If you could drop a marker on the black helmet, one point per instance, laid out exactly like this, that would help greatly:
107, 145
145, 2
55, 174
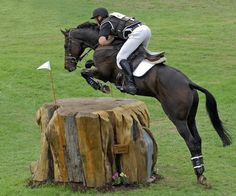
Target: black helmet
100, 12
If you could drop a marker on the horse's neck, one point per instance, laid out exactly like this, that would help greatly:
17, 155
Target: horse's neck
89, 36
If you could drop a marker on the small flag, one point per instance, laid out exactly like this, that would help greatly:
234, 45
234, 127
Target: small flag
45, 66
48, 67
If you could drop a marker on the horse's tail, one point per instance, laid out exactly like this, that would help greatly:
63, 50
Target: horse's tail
211, 107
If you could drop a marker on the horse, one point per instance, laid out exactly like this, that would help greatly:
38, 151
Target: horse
177, 94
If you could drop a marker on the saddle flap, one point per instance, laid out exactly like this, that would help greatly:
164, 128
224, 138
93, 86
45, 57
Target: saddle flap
145, 66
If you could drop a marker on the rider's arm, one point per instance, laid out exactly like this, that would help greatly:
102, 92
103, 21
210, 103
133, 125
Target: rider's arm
105, 41
105, 37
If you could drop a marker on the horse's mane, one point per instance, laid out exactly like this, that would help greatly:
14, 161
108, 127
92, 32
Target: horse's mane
88, 25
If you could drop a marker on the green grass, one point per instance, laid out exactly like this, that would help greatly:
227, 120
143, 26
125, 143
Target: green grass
199, 39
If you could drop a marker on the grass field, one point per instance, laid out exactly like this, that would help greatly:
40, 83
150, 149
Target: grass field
199, 39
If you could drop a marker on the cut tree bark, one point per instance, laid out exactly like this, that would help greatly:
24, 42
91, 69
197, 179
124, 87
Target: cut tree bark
88, 140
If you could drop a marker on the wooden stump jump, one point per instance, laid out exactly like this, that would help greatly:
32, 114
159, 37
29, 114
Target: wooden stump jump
88, 140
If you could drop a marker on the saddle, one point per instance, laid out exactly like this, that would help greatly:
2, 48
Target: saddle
141, 53
137, 56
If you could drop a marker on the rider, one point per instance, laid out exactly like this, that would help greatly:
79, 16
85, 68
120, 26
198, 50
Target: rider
127, 28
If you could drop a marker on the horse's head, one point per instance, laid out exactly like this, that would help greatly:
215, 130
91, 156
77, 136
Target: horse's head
76, 41
73, 49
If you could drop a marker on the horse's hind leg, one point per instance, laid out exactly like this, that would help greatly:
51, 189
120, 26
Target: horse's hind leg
197, 159
183, 117
194, 147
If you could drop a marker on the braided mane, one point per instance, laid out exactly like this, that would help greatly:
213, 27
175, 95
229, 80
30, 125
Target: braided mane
88, 25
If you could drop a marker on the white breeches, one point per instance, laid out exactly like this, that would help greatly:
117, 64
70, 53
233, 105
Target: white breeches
140, 35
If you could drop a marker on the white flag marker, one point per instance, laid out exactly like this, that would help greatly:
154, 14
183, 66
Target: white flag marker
48, 67
45, 66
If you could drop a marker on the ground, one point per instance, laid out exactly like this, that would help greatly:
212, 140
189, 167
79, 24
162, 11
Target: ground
198, 38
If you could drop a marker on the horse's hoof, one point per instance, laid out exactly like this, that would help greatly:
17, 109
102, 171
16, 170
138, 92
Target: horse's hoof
202, 180
105, 89
120, 88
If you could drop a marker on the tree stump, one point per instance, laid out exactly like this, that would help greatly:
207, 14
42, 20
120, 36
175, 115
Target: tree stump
88, 140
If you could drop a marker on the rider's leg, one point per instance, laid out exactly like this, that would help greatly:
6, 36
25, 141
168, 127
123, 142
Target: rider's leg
130, 87
147, 37
136, 38
146, 42
139, 36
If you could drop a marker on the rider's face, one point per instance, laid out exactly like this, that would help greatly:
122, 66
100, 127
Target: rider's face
98, 20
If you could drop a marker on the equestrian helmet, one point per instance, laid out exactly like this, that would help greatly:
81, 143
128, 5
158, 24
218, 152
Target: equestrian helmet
100, 12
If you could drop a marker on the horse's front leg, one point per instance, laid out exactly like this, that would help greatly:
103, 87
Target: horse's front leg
89, 75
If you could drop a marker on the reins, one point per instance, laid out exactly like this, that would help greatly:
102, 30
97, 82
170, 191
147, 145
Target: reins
80, 58
84, 55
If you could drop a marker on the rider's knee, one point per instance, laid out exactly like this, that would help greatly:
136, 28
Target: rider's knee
119, 58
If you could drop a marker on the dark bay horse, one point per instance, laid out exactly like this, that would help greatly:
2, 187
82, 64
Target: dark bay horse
176, 92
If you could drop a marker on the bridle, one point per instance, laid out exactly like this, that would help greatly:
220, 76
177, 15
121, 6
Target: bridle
70, 57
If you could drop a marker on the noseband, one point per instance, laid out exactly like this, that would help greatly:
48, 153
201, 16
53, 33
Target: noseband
72, 58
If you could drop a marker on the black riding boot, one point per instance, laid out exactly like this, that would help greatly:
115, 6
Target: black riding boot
130, 87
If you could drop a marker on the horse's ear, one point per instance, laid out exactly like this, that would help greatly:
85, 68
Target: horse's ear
63, 32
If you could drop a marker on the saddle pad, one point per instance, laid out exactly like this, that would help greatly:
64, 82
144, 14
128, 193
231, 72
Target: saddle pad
145, 66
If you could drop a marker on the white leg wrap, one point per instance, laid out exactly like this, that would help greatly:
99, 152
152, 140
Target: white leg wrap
198, 166
197, 157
